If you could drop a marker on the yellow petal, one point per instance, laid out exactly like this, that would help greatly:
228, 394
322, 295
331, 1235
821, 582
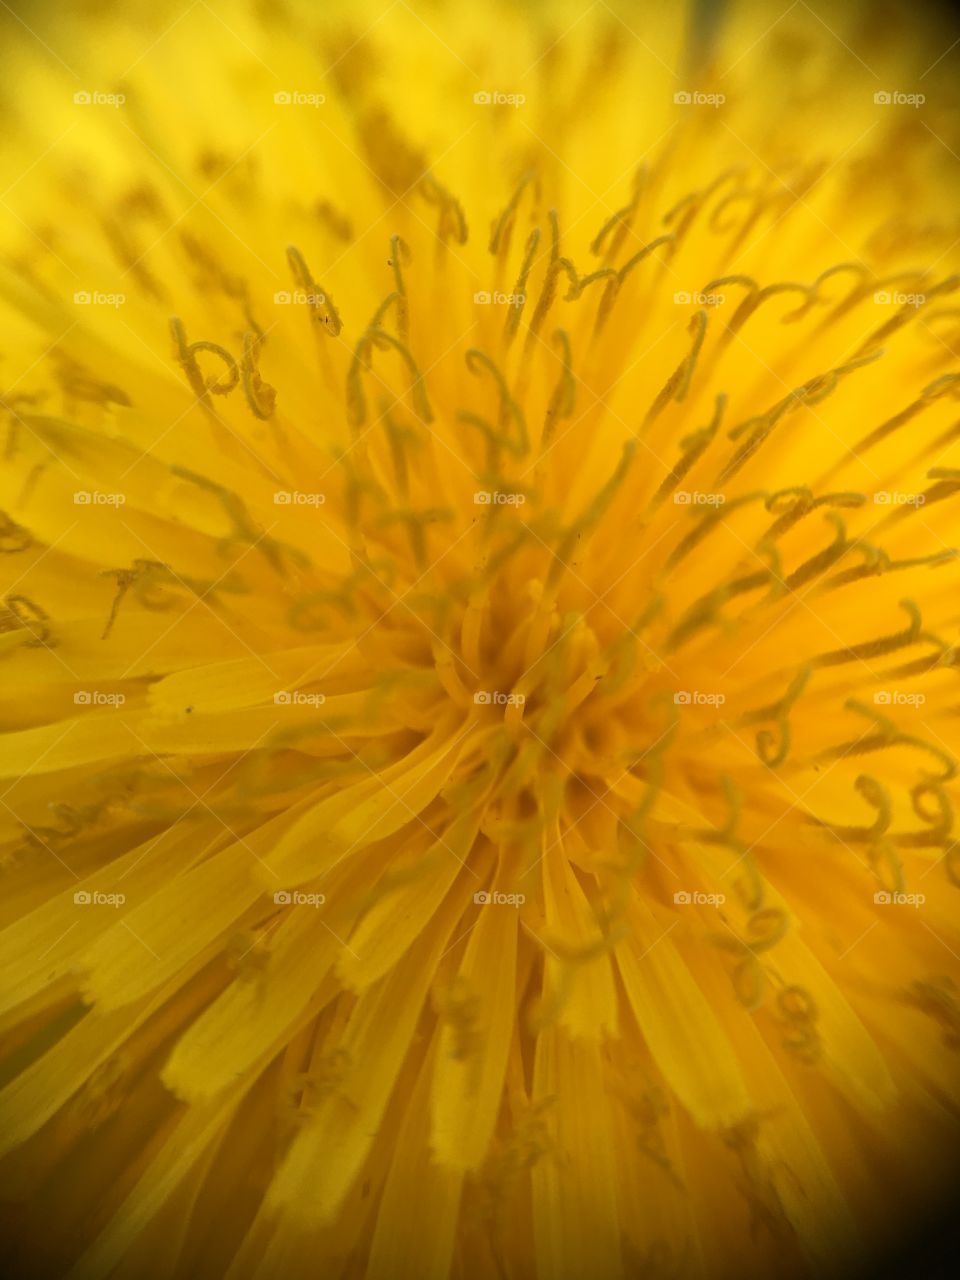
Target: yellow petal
575, 1214
681, 1030
471, 1064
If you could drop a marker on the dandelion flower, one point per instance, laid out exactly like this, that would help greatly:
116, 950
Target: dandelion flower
479, 640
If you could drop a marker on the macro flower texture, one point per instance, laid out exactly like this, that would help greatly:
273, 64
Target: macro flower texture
479, 623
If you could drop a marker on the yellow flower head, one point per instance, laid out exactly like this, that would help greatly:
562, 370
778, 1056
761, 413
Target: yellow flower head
478, 638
